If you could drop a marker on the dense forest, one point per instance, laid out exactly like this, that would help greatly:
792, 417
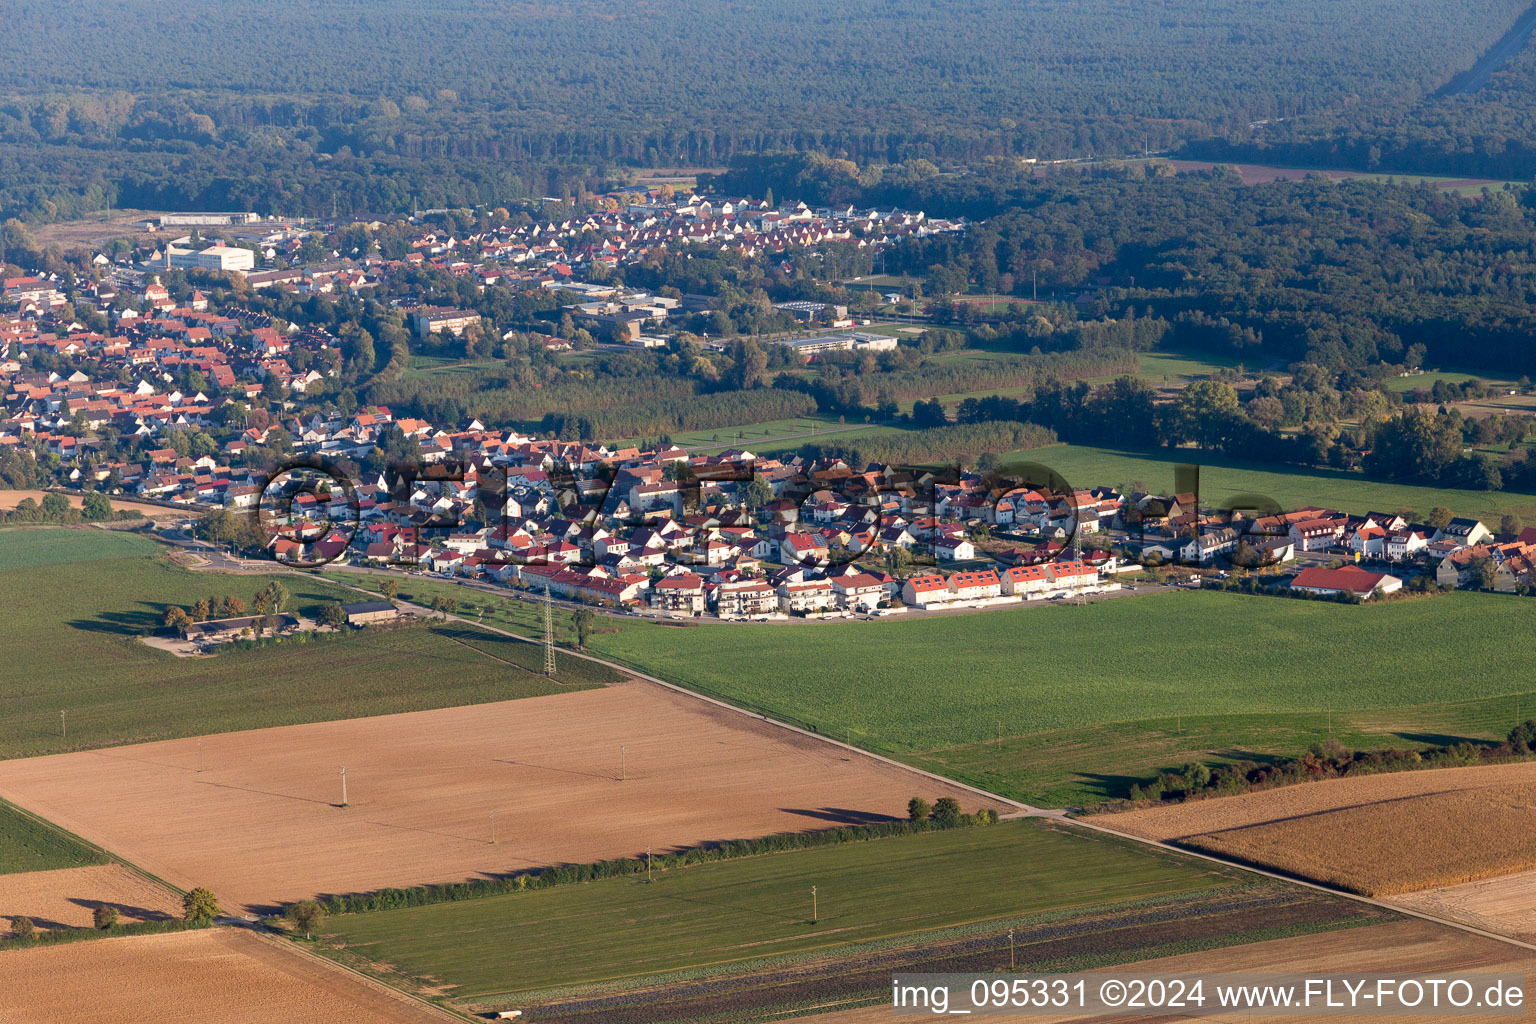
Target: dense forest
1340, 273
1481, 124
304, 106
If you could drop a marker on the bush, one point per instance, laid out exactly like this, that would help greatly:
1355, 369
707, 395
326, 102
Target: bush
946, 812
306, 915
1327, 759
104, 916
23, 930
918, 809
200, 906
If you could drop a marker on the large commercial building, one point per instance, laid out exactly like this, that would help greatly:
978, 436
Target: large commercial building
433, 320
207, 220
215, 257
858, 341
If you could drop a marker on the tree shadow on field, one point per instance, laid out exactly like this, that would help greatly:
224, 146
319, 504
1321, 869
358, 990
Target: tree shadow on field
126, 623
1439, 739
1257, 757
127, 910
1110, 786
38, 922
841, 815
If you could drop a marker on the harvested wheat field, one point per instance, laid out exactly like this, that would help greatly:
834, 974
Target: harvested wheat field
261, 823
1378, 834
1401, 947
1504, 905
67, 897
216, 976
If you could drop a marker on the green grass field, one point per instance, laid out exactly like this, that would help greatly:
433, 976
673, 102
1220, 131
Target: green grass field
1088, 699
73, 604
1063, 705
27, 844
1427, 380
1291, 486
759, 907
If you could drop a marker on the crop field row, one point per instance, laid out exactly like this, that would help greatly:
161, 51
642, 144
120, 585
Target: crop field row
758, 907
743, 935
1378, 835
28, 844
1396, 947
1394, 846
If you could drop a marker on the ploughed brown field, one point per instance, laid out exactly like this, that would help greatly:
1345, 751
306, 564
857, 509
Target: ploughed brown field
69, 896
261, 822
216, 976
1401, 947
1379, 835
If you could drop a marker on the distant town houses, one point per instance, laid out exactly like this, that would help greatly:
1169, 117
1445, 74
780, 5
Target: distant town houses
659, 528
668, 532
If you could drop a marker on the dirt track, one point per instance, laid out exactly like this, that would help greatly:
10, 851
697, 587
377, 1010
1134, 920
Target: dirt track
261, 823
69, 896
219, 976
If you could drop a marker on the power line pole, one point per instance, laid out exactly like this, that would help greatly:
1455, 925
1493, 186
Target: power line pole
623, 764
344, 787
648, 878
64, 725
549, 634
493, 828
1011, 963
815, 916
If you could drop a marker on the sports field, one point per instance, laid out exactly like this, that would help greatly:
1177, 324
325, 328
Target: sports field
73, 604
758, 907
257, 816
213, 976
1105, 688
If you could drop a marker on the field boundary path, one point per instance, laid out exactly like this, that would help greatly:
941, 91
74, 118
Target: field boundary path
353, 974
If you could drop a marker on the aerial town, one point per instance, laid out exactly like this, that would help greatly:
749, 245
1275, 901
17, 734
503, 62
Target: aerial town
718, 513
